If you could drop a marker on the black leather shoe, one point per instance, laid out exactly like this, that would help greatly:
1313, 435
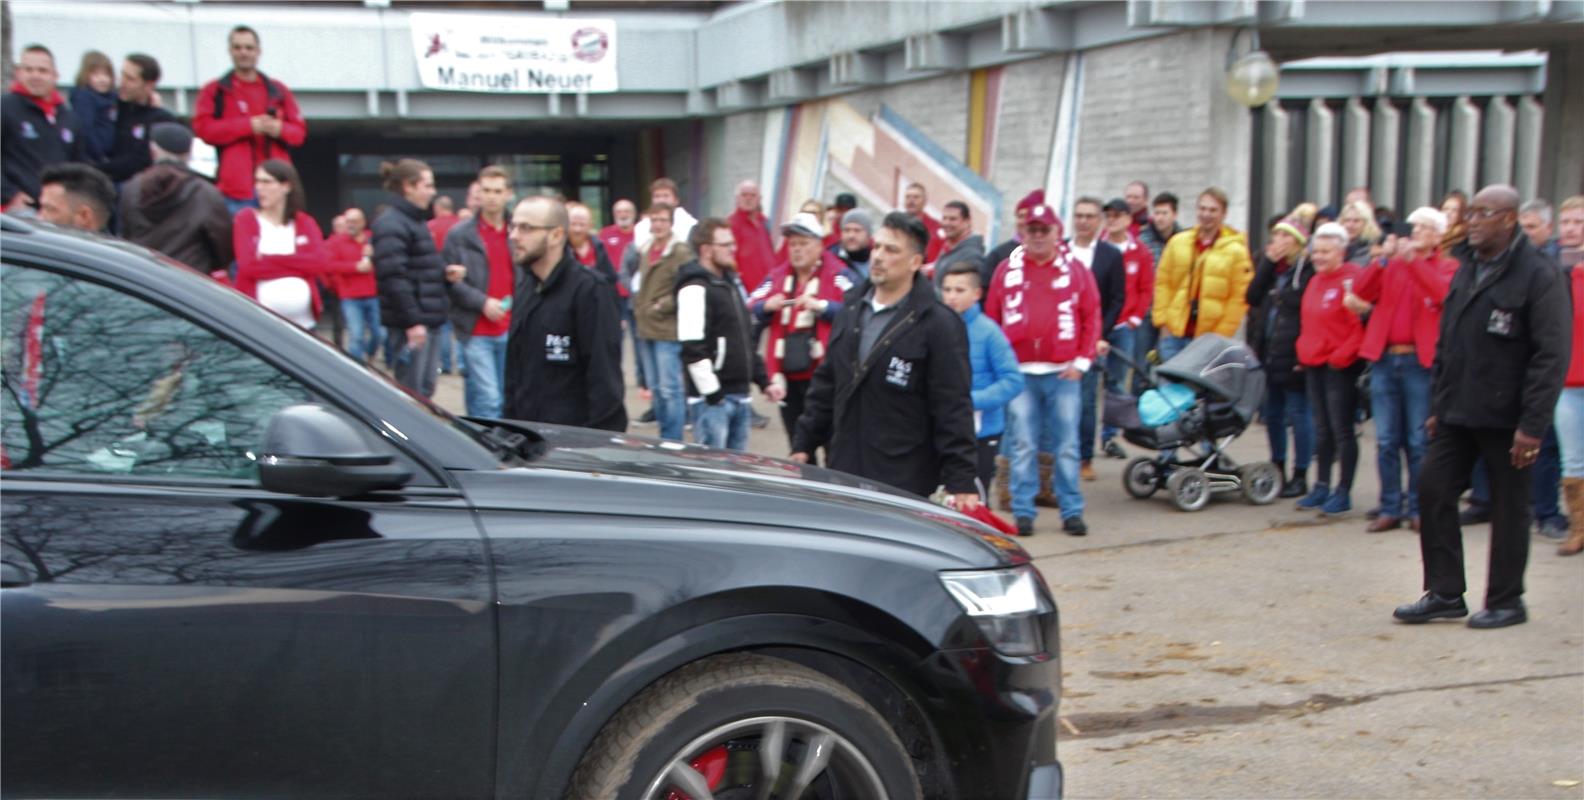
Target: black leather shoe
1074, 526
1025, 526
1297, 487
1499, 617
1432, 606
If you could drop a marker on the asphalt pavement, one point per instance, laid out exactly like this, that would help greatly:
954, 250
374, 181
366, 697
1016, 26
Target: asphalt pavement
1249, 652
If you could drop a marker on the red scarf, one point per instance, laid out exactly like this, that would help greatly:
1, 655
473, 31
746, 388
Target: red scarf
45, 104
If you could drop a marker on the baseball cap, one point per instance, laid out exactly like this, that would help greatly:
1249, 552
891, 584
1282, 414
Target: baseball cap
1043, 214
804, 224
1117, 204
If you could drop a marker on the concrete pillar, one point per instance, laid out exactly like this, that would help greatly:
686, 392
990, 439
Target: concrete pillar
1463, 148
1320, 154
1528, 150
1355, 145
1228, 164
1561, 167
1385, 133
1276, 155
1419, 174
1500, 121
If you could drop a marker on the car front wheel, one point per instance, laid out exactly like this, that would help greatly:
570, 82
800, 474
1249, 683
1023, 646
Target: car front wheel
745, 726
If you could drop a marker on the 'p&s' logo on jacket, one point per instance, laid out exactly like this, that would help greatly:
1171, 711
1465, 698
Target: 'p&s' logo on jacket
558, 347
899, 372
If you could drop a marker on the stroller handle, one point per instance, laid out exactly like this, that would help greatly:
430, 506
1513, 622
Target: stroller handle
1146, 371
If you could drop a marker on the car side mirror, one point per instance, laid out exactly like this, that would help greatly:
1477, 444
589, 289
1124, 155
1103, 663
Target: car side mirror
313, 451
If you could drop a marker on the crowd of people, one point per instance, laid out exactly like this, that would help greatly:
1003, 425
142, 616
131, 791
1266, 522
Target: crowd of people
897, 346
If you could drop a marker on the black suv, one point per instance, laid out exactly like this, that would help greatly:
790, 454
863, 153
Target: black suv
238, 563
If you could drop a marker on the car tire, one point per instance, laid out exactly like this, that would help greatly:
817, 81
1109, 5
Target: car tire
669, 725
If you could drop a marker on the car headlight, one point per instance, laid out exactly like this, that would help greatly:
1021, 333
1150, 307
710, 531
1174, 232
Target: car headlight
1005, 603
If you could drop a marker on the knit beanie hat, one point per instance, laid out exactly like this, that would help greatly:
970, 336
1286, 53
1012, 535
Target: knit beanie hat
1297, 223
859, 216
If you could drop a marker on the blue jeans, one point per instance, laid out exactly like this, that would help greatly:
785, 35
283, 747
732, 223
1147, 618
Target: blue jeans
485, 357
724, 425
1048, 407
1169, 345
1288, 408
363, 326
1570, 431
630, 323
662, 362
1124, 340
448, 348
1400, 401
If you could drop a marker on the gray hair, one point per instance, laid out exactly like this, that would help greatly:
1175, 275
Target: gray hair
1429, 216
1332, 230
1539, 208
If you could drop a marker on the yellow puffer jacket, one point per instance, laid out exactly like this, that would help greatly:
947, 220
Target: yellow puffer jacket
1219, 278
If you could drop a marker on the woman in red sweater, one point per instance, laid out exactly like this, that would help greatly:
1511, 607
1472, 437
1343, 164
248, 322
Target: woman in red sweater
1328, 353
280, 250
1570, 406
1402, 292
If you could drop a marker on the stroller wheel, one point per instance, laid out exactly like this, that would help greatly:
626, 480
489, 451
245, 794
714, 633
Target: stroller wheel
1262, 482
1141, 478
1189, 488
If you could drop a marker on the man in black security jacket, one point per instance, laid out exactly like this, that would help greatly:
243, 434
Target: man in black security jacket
563, 355
892, 399
1506, 336
716, 329
38, 128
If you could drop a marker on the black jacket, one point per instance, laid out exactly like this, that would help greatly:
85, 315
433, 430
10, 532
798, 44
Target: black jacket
408, 269
180, 213
904, 416
602, 263
993, 259
1111, 279
1275, 303
463, 246
29, 142
716, 331
563, 355
129, 155
1504, 347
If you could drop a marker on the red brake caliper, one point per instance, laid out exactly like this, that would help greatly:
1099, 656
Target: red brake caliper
712, 765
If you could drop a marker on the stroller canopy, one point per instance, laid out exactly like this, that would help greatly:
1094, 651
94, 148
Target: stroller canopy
1225, 368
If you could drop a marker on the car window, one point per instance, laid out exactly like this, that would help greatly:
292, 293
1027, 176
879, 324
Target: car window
97, 382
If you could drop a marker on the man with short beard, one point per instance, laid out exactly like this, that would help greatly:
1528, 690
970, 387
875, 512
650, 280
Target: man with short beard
1501, 359
959, 244
893, 400
857, 241
563, 355
136, 116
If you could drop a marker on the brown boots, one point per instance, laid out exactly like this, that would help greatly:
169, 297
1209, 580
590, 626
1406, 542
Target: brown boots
1573, 490
1003, 482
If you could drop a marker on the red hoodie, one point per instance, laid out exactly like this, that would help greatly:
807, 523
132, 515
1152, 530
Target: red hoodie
1330, 334
310, 262
353, 285
1423, 284
1049, 311
1139, 267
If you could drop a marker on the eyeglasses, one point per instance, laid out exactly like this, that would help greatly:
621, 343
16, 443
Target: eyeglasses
724, 245
1480, 212
526, 227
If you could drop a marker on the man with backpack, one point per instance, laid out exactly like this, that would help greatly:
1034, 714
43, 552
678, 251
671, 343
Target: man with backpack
249, 117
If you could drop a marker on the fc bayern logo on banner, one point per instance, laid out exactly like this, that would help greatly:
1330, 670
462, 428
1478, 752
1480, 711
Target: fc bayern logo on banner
590, 44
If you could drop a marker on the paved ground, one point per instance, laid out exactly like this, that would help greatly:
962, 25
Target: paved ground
1249, 652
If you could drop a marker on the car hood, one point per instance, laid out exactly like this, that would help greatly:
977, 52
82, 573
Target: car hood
619, 474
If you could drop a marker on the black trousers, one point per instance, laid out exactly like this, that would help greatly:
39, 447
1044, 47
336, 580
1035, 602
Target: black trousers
791, 409
1448, 462
989, 448
1333, 400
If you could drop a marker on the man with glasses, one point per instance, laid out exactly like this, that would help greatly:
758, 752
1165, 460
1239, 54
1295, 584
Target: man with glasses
563, 354
1506, 330
717, 338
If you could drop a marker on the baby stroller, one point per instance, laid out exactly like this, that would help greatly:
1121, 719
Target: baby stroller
1203, 398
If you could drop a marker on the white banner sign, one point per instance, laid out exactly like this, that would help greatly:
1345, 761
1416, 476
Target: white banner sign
520, 54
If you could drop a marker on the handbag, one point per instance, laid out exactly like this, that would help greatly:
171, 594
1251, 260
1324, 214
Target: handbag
797, 352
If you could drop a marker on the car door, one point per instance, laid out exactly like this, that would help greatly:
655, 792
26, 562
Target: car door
170, 628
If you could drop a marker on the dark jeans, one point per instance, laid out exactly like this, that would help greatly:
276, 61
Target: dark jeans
414, 369
1333, 396
1448, 463
989, 448
1287, 407
792, 409
1547, 480
1086, 417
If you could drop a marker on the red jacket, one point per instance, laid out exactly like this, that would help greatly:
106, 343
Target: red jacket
755, 255
221, 118
1139, 267
353, 285
440, 226
1423, 283
1329, 334
783, 280
310, 262
1575, 374
1049, 311
937, 238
